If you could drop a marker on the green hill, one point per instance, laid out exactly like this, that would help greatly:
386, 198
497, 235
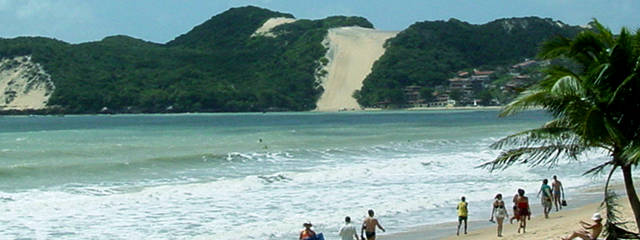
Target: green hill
217, 66
428, 53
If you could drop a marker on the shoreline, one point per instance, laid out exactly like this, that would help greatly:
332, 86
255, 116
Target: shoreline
60, 112
559, 224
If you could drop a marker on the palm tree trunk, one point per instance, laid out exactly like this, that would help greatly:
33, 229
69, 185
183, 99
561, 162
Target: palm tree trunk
631, 192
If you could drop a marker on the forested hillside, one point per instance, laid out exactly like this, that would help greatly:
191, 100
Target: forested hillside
428, 53
217, 66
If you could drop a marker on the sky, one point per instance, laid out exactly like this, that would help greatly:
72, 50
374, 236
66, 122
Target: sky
160, 21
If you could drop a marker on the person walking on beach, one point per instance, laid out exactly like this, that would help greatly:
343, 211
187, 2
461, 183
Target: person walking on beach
558, 191
547, 197
516, 215
307, 233
523, 210
348, 231
463, 213
369, 226
596, 229
499, 211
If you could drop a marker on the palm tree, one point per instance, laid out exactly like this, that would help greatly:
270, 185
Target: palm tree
593, 105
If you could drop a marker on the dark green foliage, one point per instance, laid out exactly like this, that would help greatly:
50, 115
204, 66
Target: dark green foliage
592, 108
428, 53
217, 66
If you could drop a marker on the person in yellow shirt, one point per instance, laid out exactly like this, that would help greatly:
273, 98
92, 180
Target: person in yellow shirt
463, 213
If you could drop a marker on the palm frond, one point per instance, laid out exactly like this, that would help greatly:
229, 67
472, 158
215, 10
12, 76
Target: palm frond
554, 48
567, 85
528, 99
536, 137
624, 86
535, 156
598, 169
604, 33
614, 227
631, 152
553, 73
586, 48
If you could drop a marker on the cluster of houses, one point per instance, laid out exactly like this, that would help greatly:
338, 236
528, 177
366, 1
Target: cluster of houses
463, 88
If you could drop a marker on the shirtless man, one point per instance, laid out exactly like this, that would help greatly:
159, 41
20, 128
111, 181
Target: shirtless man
595, 228
369, 226
558, 190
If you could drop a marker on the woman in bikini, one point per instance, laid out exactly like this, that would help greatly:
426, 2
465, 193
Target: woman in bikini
499, 211
523, 210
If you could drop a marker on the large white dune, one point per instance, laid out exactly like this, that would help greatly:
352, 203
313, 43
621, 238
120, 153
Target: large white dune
352, 52
23, 84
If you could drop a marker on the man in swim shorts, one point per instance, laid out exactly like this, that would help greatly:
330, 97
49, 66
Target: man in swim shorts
558, 191
369, 226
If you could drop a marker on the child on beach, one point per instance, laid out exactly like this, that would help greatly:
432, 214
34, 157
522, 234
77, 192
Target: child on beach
463, 213
500, 212
596, 229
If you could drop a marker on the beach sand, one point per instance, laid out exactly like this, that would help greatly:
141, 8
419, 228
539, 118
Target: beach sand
560, 224
352, 52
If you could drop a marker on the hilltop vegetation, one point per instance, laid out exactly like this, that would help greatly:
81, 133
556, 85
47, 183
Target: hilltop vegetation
217, 66
428, 53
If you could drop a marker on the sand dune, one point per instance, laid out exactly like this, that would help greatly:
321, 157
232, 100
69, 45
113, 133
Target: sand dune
265, 29
352, 52
23, 84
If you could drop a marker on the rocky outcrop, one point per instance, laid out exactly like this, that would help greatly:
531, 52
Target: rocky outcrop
24, 84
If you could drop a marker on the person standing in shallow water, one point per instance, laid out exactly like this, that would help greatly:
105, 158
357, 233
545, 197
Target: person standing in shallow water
369, 226
463, 214
500, 212
558, 191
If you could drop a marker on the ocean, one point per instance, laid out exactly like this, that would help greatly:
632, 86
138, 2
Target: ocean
254, 175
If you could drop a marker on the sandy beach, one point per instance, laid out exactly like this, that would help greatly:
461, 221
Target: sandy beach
559, 224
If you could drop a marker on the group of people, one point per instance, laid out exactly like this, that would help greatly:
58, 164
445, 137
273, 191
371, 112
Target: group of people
551, 195
348, 231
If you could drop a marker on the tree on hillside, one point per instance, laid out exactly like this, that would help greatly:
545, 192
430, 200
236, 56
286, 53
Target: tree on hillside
593, 108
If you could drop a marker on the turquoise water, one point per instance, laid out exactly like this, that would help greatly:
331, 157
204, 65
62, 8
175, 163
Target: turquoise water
227, 176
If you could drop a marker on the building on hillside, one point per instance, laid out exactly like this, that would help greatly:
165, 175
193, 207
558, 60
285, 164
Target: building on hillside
441, 99
463, 85
462, 74
412, 95
517, 83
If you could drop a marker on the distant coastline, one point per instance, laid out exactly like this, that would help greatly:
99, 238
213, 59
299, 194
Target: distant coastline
58, 111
